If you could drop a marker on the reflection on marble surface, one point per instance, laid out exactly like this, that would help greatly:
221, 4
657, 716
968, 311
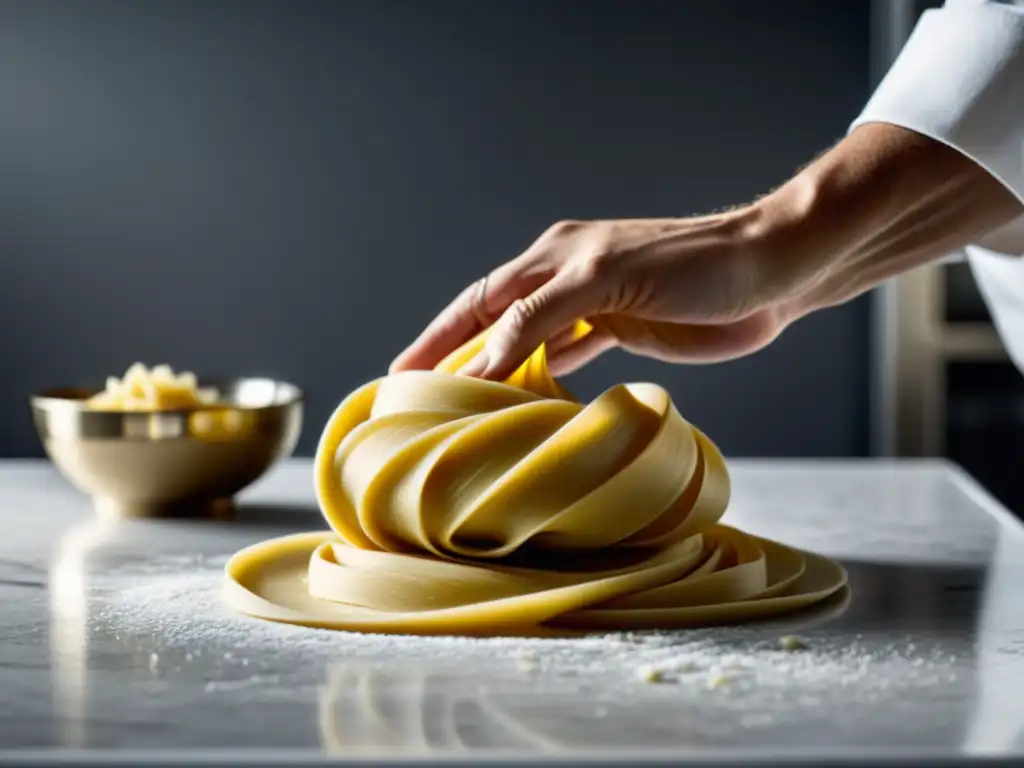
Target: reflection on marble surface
129, 645
997, 723
427, 711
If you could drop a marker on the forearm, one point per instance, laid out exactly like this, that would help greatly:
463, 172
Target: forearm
882, 201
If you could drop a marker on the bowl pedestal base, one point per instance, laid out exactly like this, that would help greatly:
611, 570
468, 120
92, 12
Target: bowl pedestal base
117, 509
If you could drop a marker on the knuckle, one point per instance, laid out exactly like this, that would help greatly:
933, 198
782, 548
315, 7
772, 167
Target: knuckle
509, 328
513, 323
519, 314
564, 228
599, 264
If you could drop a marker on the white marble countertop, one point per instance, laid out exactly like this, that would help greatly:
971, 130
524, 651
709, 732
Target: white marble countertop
115, 643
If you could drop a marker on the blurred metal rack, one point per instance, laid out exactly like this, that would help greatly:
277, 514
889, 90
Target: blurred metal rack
916, 344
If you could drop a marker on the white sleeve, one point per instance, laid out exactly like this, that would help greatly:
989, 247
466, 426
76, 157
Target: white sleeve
960, 80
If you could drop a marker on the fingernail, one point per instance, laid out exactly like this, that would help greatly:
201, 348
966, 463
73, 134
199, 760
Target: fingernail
477, 365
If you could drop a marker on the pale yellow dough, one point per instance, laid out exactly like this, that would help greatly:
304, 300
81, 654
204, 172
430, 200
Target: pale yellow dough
461, 506
159, 389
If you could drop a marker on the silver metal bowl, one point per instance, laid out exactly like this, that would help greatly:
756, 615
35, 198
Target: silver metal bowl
156, 463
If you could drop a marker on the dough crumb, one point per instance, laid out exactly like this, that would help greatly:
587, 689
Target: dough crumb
792, 643
718, 680
527, 660
650, 674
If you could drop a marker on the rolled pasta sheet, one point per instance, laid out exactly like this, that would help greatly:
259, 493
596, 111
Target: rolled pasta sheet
462, 506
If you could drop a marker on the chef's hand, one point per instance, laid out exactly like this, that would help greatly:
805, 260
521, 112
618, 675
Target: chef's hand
883, 201
694, 272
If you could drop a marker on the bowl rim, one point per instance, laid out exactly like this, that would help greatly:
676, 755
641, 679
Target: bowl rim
48, 399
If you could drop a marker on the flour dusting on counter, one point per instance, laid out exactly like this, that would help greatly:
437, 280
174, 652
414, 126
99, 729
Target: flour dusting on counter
115, 636
749, 671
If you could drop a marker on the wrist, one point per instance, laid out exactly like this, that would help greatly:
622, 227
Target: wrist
883, 201
778, 234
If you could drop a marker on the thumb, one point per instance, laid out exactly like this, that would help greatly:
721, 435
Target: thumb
531, 321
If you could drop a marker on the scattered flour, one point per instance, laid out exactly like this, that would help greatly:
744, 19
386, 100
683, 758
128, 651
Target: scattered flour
758, 673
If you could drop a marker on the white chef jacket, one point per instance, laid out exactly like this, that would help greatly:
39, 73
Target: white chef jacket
960, 80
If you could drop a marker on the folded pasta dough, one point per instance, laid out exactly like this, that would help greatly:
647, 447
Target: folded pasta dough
463, 506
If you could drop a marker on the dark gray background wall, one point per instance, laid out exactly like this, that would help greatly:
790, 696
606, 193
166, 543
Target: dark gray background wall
294, 188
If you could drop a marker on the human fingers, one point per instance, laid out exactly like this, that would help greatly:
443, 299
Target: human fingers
529, 322
471, 311
566, 358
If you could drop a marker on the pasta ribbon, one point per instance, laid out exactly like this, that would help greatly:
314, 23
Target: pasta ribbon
463, 506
